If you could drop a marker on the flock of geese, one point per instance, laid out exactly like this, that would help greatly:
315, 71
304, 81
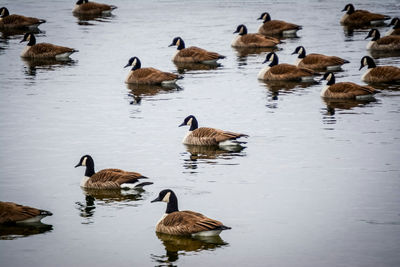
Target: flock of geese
269, 35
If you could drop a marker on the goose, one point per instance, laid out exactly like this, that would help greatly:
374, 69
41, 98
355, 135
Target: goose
283, 72
189, 223
317, 61
252, 40
204, 136
380, 74
137, 75
386, 43
11, 213
358, 18
107, 178
44, 50
345, 90
14, 21
396, 27
84, 7
277, 27
193, 54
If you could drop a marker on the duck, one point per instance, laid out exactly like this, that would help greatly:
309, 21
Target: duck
186, 222
139, 75
345, 90
284, 72
193, 54
252, 40
107, 178
317, 61
386, 43
44, 50
359, 18
205, 136
380, 74
277, 27
396, 27
84, 7
15, 21
13, 213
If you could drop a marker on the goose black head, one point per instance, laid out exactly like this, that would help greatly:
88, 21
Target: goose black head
190, 121
265, 17
80, 2
273, 58
178, 41
134, 62
395, 22
374, 33
30, 38
87, 161
241, 29
4, 12
367, 61
168, 196
349, 8
329, 77
301, 51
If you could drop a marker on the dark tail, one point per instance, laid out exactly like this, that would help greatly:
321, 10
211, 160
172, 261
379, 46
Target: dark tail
42, 21
143, 184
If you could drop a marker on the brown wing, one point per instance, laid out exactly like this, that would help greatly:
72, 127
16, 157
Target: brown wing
112, 179
258, 40
186, 223
389, 40
274, 27
45, 50
383, 74
396, 32
196, 54
319, 61
150, 76
282, 72
211, 136
93, 8
12, 212
348, 90
363, 17
20, 21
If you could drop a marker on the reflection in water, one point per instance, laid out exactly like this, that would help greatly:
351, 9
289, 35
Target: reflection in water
383, 54
245, 51
14, 231
184, 67
176, 246
142, 90
45, 64
84, 19
7, 33
209, 155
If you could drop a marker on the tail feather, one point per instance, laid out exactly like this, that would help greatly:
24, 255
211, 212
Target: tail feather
143, 184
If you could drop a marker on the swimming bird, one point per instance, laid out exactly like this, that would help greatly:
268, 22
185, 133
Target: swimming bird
317, 61
345, 90
283, 72
252, 40
11, 213
137, 75
359, 18
380, 74
107, 178
396, 27
84, 7
44, 50
193, 54
386, 43
209, 136
175, 222
14, 21
277, 27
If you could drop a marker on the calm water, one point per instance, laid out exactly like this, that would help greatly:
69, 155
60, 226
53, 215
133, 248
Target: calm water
317, 185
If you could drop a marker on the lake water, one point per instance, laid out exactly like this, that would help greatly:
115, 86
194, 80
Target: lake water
317, 184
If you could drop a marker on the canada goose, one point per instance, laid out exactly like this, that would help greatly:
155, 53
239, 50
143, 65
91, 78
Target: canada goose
107, 178
193, 54
204, 136
11, 213
252, 40
380, 74
137, 75
277, 27
283, 72
14, 21
345, 90
317, 61
396, 27
358, 18
175, 222
44, 50
84, 7
386, 43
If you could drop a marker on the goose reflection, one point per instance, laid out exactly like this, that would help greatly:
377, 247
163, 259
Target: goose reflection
14, 231
185, 67
246, 51
45, 64
383, 54
139, 91
176, 246
7, 33
86, 19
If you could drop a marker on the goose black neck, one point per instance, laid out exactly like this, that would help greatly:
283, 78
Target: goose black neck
377, 35
244, 31
371, 64
351, 10
331, 81
89, 167
396, 25
181, 45
303, 53
172, 205
275, 61
194, 125
5, 12
32, 40
137, 66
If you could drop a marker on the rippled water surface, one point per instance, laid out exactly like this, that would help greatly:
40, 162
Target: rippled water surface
317, 185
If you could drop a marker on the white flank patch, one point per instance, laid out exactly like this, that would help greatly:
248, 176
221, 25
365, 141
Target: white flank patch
289, 32
207, 233
63, 55
25, 50
213, 61
361, 97
307, 79
127, 186
365, 74
376, 22
170, 82
84, 180
324, 90
33, 220
262, 72
337, 67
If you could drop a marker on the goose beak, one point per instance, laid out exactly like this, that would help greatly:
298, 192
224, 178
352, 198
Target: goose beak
367, 37
344, 9
236, 31
259, 18
171, 45
127, 65
77, 165
182, 124
265, 61
155, 200
360, 67
321, 79
293, 53
23, 40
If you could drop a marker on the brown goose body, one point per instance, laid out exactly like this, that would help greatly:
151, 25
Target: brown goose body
204, 136
150, 76
362, 18
18, 21
92, 8
320, 62
11, 213
285, 72
386, 43
382, 74
195, 54
254, 40
393, 32
46, 50
277, 27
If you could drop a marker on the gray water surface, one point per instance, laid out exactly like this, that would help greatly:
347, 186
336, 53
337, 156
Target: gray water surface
317, 184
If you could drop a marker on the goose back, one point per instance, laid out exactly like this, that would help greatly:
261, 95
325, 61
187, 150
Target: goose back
13, 213
150, 76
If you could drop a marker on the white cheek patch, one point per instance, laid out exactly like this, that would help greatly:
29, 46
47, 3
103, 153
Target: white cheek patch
301, 50
166, 197
241, 30
329, 77
84, 161
272, 58
134, 62
178, 42
365, 62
